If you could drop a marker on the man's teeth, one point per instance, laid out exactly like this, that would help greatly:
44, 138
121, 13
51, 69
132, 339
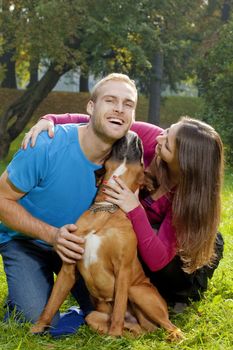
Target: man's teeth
116, 121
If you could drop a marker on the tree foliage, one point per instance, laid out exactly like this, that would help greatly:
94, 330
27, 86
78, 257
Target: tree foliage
152, 41
216, 81
214, 68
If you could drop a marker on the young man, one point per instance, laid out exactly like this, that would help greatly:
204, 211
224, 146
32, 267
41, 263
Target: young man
45, 189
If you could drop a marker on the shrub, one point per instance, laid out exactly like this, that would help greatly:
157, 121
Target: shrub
216, 82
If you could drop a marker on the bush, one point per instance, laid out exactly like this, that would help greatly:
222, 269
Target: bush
223, 123
173, 107
216, 83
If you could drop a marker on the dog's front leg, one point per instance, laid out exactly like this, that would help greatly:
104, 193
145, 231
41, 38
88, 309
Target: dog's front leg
65, 281
122, 283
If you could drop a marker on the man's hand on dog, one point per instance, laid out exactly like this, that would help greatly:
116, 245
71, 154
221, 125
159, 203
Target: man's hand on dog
118, 193
67, 245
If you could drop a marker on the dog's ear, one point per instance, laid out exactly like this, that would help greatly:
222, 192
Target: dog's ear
99, 175
140, 146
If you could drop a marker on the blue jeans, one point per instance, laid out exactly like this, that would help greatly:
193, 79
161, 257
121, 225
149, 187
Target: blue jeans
30, 266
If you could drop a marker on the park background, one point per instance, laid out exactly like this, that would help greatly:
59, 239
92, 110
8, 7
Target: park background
180, 53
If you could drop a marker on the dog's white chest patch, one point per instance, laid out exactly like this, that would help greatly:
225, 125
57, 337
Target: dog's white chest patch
119, 171
92, 245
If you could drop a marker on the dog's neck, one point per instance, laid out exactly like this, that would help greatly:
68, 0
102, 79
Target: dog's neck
100, 204
104, 206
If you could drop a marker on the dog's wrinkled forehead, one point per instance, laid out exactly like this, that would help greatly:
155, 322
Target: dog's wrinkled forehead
128, 148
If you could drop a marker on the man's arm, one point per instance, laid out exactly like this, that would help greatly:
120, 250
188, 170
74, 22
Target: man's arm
17, 218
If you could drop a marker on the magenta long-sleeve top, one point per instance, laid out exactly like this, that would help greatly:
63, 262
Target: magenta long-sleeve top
156, 247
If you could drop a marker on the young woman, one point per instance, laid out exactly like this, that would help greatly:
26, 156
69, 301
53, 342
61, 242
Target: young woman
177, 216
183, 198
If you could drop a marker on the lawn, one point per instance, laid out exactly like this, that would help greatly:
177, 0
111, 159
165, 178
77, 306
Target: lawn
206, 324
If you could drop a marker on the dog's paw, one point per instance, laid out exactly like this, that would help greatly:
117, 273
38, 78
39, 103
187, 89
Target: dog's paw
115, 331
98, 321
175, 335
134, 328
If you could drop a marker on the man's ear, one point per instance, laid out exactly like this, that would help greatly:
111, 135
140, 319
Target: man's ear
90, 107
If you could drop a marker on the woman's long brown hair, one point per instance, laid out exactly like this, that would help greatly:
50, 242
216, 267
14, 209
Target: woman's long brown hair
196, 202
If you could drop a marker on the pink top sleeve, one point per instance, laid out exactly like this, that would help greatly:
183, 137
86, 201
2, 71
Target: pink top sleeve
147, 132
156, 247
67, 118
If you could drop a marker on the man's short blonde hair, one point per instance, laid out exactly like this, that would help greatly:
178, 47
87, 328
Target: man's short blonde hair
114, 77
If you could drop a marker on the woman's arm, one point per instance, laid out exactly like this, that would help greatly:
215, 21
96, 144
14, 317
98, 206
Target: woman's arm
147, 132
47, 122
157, 249
67, 118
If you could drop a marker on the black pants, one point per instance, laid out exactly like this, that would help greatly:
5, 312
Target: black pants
177, 286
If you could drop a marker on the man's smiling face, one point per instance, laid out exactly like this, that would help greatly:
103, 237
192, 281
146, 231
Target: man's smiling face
114, 110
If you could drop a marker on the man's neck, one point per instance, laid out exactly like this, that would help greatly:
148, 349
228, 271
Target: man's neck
95, 149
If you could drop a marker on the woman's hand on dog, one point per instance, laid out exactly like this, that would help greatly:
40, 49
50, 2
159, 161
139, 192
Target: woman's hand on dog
118, 193
68, 245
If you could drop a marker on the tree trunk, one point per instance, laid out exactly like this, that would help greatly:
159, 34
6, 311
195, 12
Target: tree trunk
7, 60
155, 89
19, 112
33, 71
83, 83
226, 11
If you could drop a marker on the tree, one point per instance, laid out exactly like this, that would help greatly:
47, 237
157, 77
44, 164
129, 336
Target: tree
44, 34
215, 74
33, 73
157, 49
168, 53
155, 88
98, 39
165, 32
8, 63
62, 35
7, 58
17, 115
83, 83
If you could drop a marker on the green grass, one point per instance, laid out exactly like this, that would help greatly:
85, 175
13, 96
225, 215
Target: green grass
206, 324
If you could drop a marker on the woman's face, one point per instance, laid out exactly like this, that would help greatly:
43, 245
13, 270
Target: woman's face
166, 147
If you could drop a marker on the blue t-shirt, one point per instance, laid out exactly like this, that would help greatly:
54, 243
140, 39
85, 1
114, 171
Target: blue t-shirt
58, 179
